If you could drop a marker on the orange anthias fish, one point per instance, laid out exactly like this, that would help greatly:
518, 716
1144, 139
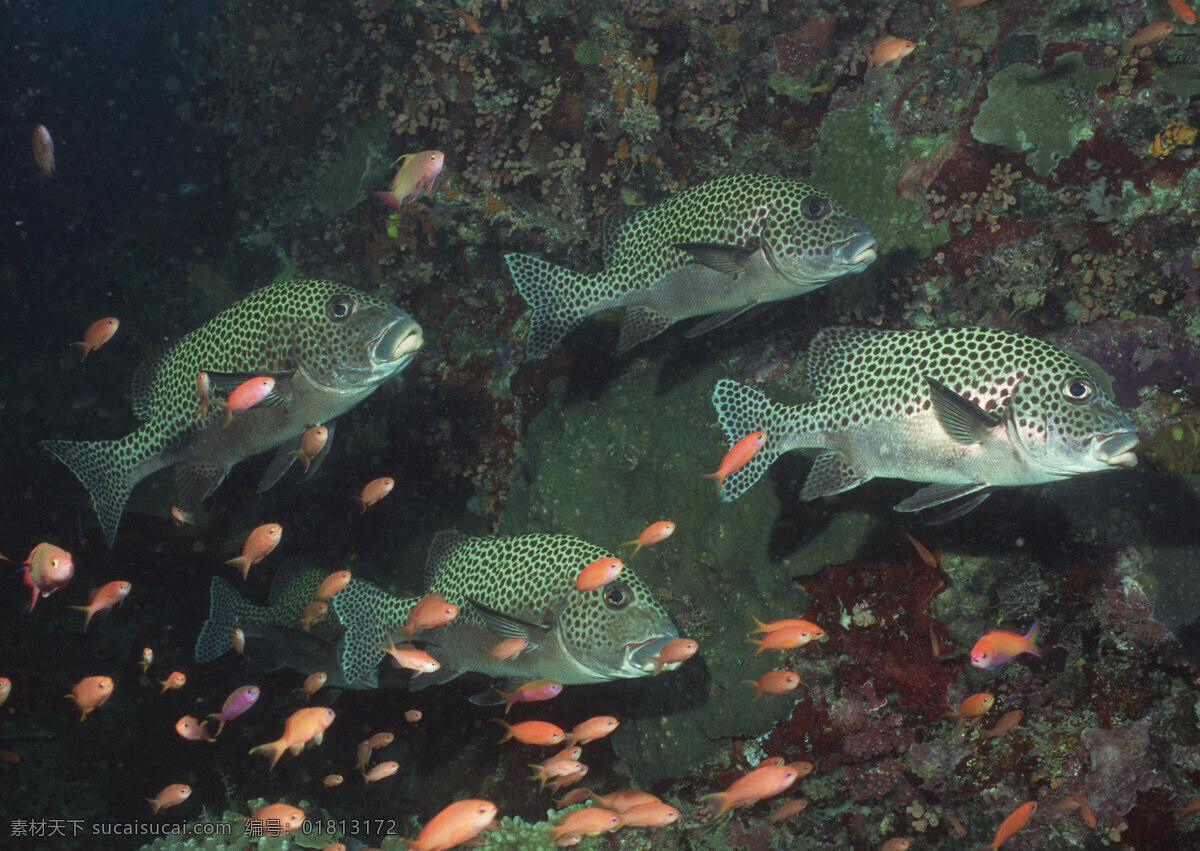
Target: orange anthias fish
592, 729
588, 821
788, 637
963, 4
1006, 723
410, 657
379, 772
251, 392
276, 820
43, 151
430, 612
147, 659
332, 583
458, 823
313, 683
999, 647
530, 692
302, 726
5, 689
1183, 11
90, 693
890, 49
174, 794
192, 728
311, 444
737, 457
204, 392
259, 543
46, 569
652, 814
598, 574
651, 535
313, 613
1147, 35
174, 681
787, 810
758, 784
775, 683
412, 716
673, 652
1016, 820
375, 490
182, 518
531, 732
416, 177
782, 623
332, 780
105, 597
971, 707
380, 740
509, 648
97, 334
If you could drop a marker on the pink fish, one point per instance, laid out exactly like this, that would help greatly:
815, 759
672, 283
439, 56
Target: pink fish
47, 568
246, 395
1000, 646
530, 692
237, 703
415, 178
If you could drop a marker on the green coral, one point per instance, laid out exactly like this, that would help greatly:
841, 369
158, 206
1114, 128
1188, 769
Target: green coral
1042, 111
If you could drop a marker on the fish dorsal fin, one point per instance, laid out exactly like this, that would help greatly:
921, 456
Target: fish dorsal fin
727, 259
961, 418
827, 352
442, 546
1103, 382
142, 386
612, 226
507, 626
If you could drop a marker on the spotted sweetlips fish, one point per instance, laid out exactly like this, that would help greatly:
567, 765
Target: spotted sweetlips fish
327, 346
720, 248
503, 587
967, 409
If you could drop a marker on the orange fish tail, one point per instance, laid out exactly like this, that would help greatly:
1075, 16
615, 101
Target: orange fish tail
759, 626
758, 692
507, 730
155, 806
1031, 638
272, 749
754, 641
87, 620
719, 798
242, 563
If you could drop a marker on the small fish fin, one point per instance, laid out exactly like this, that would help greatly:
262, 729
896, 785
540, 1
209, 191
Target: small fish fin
640, 324
928, 497
828, 351
612, 228
963, 420
441, 548
507, 626
741, 410
832, 472
558, 296
491, 697
439, 677
106, 469
224, 603
142, 386
729, 260
1031, 638
194, 482
717, 320
285, 456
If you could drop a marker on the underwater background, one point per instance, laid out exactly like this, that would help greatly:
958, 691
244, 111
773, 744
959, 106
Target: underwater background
1022, 168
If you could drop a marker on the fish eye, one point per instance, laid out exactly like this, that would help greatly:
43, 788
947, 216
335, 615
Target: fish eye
339, 307
814, 207
1078, 389
617, 595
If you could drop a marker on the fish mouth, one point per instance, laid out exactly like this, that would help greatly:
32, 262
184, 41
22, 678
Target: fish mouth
399, 342
640, 655
859, 251
1116, 449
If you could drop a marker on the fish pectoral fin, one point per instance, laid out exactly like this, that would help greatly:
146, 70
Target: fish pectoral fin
962, 419
640, 324
718, 319
282, 462
727, 259
934, 495
832, 472
507, 626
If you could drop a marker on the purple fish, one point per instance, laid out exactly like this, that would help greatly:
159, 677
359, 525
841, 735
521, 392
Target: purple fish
237, 703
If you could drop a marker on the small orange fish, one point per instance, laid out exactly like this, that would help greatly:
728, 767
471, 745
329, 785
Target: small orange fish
302, 726
275, 820
416, 177
1183, 11
510, 648
454, 825
787, 810
90, 693
652, 814
898, 843
105, 597
785, 623
531, 732
192, 728
674, 652
774, 683
380, 740
955, 5
410, 657
375, 490
364, 755
597, 574
469, 22
530, 692
204, 392
5, 689
97, 334
174, 794
251, 392
1006, 723
311, 444
331, 584
1187, 809
332, 780
412, 716
588, 821
175, 680
43, 151
313, 683
737, 457
1016, 820
971, 707
312, 614
379, 772
1085, 812
237, 640
788, 638
623, 800
10, 757
592, 729
430, 612
147, 659
890, 49
1147, 35
999, 647
259, 544
182, 518
758, 784
651, 535
46, 569
923, 551
555, 766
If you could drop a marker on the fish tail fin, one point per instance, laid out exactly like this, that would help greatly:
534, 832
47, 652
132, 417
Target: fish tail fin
740, 411
754, 641
225, 610
758, 692
88, 619
1031, 640
507, 729
559, 299
759, 626
720, 802
274, 750
242, 563
105, 471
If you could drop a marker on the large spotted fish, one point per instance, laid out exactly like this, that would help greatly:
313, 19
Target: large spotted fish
503, 588
967, 409
328, 347
720, 248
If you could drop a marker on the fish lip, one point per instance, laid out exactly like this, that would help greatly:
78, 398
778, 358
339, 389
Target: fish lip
638, 654
398, 341
1116, 448
858, 251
